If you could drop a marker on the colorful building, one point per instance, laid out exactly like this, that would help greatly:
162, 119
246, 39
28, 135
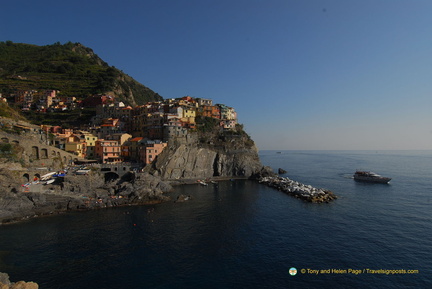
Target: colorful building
108, 151
133, 148
76, 145
150, 149
90, 141
209, 111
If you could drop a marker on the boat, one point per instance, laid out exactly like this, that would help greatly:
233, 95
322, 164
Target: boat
59, 175
82, 172
370, 177
202, 183
47, 176
49, 181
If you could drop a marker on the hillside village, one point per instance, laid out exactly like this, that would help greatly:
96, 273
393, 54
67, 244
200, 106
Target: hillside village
120, 133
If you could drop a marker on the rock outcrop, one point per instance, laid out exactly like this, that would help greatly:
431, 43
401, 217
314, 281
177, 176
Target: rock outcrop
200, 156
6, 284
281, 171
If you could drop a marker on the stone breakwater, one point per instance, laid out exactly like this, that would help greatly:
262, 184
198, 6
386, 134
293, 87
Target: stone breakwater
299, 190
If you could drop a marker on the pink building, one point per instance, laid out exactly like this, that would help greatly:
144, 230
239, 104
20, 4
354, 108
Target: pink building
108, 151
150, 150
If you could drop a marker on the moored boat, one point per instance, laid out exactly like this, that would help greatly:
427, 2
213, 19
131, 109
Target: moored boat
49, 182
82, 172
202, 183
47, 176
370, 177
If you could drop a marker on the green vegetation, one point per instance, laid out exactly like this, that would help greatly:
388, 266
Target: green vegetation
65, 119
9, 152
207, 124
210, 133
6, 111
72, 68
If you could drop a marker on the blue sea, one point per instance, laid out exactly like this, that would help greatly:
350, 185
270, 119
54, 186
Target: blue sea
240, 234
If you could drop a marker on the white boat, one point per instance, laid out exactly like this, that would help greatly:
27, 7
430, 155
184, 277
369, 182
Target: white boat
50, 181
202, 183
47, 176
370, 177
81, 172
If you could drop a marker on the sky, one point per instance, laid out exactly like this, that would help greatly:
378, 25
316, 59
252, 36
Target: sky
301, 74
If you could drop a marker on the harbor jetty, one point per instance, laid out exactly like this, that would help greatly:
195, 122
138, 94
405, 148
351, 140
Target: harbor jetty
299, 190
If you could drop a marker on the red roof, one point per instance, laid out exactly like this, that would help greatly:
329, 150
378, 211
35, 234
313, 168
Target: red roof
136, 139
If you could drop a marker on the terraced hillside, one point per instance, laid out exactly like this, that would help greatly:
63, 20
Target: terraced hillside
71, 68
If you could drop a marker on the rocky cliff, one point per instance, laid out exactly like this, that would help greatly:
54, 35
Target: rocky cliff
212, 154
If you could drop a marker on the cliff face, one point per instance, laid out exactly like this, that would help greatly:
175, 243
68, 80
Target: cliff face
198, 156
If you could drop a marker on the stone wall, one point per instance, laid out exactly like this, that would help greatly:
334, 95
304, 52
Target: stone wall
33, 147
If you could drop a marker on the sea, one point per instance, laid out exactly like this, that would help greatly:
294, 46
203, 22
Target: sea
242, 234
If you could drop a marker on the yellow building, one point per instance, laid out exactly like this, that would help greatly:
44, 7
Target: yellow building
189, 112
189, 115
90, 141
77, 148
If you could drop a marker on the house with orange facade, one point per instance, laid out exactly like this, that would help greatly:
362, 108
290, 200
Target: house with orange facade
108, 151
209, 111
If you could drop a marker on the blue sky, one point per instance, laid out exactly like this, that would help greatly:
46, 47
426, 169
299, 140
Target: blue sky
305, 74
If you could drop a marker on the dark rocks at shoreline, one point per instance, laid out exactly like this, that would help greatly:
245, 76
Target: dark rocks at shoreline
83, 192
183, 198
4, 278
76, 192
6, 284
281, 171
299, 190
265, 171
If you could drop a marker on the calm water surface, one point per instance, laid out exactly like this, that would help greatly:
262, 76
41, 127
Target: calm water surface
241, 234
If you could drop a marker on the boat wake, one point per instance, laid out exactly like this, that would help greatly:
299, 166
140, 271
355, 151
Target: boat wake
346, 176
